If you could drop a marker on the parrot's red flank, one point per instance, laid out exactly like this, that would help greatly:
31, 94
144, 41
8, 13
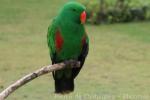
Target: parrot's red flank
58, 40
67, 40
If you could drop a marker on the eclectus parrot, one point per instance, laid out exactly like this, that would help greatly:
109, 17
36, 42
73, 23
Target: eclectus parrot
67, 40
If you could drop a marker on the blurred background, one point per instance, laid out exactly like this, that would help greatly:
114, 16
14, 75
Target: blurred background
118, 64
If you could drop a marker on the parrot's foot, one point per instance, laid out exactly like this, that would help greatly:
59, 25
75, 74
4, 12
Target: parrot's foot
72, 63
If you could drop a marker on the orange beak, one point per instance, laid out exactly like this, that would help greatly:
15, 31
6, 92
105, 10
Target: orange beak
83, 17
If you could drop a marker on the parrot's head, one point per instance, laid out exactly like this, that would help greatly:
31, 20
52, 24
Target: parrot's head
74, 12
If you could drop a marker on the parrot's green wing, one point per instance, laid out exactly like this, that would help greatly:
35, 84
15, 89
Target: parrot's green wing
52, 29
51, 42
50, 39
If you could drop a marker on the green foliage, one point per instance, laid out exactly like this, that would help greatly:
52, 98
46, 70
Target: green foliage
112, 11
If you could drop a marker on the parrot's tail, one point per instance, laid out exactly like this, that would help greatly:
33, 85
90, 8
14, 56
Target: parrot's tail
64, 85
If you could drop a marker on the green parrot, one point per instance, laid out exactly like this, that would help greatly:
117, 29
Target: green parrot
67, 40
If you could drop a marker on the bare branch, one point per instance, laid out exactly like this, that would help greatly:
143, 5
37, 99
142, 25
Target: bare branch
44, 70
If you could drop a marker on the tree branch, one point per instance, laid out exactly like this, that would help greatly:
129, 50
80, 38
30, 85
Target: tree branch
44, 70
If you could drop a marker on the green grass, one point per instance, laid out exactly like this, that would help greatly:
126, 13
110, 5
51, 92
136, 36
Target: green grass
117, 67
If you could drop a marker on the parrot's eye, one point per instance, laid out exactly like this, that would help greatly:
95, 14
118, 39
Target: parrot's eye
74, 10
